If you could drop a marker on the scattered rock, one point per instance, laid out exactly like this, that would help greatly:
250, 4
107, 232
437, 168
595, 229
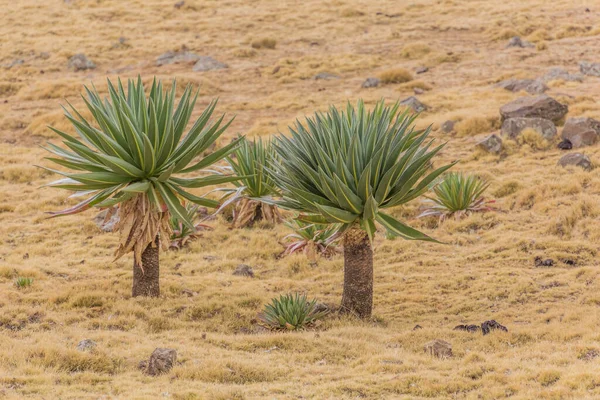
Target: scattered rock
244, 270
161, 361
491, 144
589, 355
591, 69
531, 86
371, 82
44, 55
541, 106
448, 126
177, 57
421, 70
87, 344
516, 41
414, 103
559, 74
581, 131
417, 327
513, 127
467, 328
79, 62
322, 307
107, 219
577, 159
438, 348
206, 63
13, 63
492, 325
565, 144
326, 76
179, 4
418, 90
540, 262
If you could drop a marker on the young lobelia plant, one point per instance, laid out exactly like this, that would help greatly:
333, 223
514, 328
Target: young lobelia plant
457, 195
131, 153
252, 197
346, 168
291, 312
311, 239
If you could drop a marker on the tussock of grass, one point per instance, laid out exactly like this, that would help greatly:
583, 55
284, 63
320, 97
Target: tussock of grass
415, 51
264, 43
397, 75
475, 125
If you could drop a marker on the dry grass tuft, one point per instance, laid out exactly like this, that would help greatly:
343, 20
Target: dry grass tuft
396, 75
264, 43
415, 51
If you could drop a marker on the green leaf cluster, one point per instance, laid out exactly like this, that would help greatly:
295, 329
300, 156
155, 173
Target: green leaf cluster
291, 312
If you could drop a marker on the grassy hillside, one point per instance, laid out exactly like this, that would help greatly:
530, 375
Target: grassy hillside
274, 49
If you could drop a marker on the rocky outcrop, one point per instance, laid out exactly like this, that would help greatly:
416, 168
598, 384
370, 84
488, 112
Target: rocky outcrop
581, 131
576, 159
513, 127
541, 106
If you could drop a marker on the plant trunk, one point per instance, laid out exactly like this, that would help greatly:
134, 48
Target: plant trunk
357, 298
145, 281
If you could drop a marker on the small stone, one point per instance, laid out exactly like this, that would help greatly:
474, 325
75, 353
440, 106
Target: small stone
13, 63
179, 4
576, 159
491, 144
414, 103
439, 348
448, 126
492, 325
541, 262
581, 131
44, 55
418, 90
531, 86
565, 144
541, 106
276, 69
516, 41
371, 83
417, 327
513, 127
177, 57
467, 328
161, 361
326, 76
86, 345
244, 270
559, 74
79, 62
206, 63
421, 70
591, 69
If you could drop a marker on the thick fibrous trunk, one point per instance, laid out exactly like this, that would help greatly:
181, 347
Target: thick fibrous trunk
357, 298
145, 282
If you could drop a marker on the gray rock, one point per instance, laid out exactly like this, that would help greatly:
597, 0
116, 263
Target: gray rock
491, 144
414, 103
86, 345
177, 57
244, 270
531, 86
79, 62
206, 63
513, 127
371, 82
13, 63
107, 219
421, 70
438, 348
587, 68
581, 131
326, 76
518, 42
559, 74
418, 90
448, 126
541, 106
576, 159
179, 4
161, 361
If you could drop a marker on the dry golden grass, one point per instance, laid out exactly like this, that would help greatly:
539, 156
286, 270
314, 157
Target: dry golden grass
486, 270
396, 75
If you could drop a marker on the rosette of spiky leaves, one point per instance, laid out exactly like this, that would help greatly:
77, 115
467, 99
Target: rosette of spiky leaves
457, 195
311, 239
130, 154
181, 233
252, 197
347, 167
291, 312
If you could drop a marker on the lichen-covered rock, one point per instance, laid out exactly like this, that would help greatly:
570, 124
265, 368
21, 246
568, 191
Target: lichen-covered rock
371, 83
85, 345
79, 62
581, 131
206, 63
161, 361
448, 126
438, 348
414, 104
244, 270
576, 159
559, 74
492, 325
491, 144
542, 106
587, 68
513, 127
177, 57
531, 86
516, 41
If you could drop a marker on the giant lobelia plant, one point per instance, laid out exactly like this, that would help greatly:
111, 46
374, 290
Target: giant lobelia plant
131, 154
346, 168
